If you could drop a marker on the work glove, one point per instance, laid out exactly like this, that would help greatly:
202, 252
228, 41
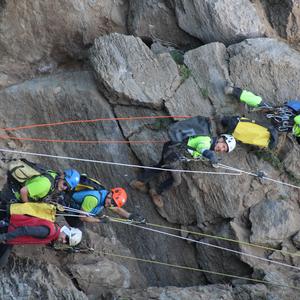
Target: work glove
104, 220
260, 174
214, 161
137, 218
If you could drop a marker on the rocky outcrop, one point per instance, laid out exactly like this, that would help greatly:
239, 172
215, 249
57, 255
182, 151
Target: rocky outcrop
284, 17
155, 20
218, 20
38, 37
131, 79
129, 73
267, 66
33, 279
273, 221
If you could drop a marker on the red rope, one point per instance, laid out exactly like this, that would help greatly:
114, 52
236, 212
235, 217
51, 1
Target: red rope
5, 137
91, 121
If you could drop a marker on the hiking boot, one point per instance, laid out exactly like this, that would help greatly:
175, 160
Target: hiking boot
228, 89
156, 198
139, 185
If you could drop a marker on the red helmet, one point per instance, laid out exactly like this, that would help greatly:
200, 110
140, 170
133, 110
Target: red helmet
119, 196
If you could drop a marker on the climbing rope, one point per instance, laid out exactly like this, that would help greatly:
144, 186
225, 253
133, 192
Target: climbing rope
92, 121
116, 163
257, 175
6, 137
207, 244
215, 237
198, 270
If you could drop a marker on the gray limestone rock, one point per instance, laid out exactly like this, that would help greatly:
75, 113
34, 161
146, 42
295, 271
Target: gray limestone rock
273, 221
129, 73
226, 21
155, 20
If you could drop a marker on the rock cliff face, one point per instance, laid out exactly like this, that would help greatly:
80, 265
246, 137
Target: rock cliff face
86, 59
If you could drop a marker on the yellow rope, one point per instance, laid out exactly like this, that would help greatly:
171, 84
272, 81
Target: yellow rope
214, 237
199, 270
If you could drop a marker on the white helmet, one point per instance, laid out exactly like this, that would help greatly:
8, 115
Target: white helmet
230, 141
74, 235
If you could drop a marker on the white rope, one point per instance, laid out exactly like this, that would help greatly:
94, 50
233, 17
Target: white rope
208, 244
116, 163
256, 175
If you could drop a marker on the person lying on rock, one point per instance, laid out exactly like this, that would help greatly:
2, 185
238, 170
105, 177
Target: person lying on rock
190, 140
285, 118
91, 196
20, 228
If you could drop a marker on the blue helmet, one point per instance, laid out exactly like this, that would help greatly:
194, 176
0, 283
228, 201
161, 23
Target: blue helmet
72, 178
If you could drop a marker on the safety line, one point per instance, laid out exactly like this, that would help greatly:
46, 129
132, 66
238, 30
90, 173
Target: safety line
6, 137
256, 175
92, 121
116, 163
210, 245
213, 237
198, 270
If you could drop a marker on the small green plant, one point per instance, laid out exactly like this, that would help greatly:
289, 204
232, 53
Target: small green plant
204, 92
184, 72
178, 56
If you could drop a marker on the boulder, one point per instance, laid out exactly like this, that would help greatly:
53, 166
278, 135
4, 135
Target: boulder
129, 73
155, 20
268, 67
202, 93
218, 20
104, 273
285, 18
273, 221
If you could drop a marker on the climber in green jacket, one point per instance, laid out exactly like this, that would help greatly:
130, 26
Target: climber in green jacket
285, 118
190, 146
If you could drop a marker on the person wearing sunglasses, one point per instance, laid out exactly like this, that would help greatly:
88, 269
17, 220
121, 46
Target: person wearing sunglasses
94, 201
40, 187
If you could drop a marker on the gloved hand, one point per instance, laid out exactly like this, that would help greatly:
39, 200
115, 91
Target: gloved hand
104, 219
214, 161
260, 174
137, 218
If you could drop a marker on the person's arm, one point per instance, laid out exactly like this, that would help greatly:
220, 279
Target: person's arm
296, 127
250, 99
24, 194
120, 211
33, 231
89, 219
125, 214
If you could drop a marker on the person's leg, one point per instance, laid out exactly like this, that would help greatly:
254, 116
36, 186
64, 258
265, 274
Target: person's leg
5, 251
146, 175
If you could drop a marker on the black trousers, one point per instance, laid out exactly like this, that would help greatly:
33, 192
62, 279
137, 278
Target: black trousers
170, 156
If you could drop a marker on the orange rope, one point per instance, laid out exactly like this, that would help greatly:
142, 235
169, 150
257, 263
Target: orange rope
91, 121
5, 137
